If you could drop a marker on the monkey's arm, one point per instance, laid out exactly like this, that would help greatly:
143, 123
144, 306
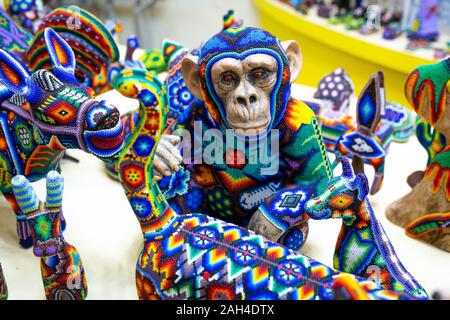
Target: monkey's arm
168, 157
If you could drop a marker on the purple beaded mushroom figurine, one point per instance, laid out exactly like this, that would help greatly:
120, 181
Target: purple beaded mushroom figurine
335, 89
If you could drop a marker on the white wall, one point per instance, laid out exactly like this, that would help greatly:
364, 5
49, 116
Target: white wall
186, 21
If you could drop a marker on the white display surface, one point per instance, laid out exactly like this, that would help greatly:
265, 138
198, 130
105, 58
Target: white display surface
102, 226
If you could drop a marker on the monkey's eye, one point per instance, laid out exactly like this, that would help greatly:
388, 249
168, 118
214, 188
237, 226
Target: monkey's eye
259, 74
261, 77
228, 79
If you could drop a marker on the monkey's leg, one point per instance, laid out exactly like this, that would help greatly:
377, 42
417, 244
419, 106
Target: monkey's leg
280, 218
378, 178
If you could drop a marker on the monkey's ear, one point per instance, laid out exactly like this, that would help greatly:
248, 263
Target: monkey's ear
295, 57
448, 93
191, 76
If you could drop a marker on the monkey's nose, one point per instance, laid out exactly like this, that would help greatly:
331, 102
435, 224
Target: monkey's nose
246, 101
241, 101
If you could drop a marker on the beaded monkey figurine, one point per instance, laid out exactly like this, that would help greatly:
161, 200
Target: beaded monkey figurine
195, 256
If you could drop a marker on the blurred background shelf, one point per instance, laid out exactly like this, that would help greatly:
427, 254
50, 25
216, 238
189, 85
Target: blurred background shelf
326, 47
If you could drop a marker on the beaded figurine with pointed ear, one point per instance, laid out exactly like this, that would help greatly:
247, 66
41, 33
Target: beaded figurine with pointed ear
363, 144
363, 248
49, 112
3, 287
61, 266
94, 46
366, 138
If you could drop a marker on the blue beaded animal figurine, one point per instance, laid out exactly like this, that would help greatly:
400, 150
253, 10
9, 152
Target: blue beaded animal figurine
44, 113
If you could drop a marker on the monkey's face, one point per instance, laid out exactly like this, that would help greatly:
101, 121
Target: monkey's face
245, 87
244, 76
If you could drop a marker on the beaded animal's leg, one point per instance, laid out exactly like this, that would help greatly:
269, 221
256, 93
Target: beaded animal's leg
63, 220
144, 286
61, 266
58, 169
348, 287
379, 176
3, 287
23, 230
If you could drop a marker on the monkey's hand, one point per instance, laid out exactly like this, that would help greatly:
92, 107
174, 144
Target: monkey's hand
168, 157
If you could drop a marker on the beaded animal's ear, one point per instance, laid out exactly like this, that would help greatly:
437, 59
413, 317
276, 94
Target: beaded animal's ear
347, 169
171, 50
371, 103
26, 198
55, 187
16, 78
61, 56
